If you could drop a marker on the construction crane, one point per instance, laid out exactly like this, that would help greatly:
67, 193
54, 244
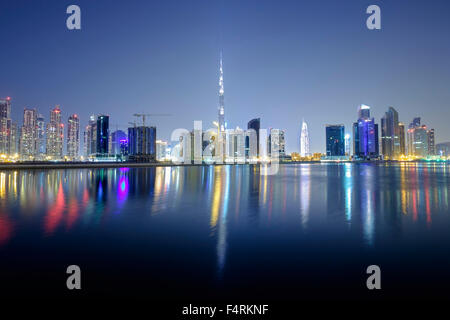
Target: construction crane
143, 115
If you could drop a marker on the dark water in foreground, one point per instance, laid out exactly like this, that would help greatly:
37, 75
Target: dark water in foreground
227, 232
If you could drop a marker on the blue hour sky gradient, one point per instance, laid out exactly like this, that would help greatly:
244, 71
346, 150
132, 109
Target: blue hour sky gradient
283, 61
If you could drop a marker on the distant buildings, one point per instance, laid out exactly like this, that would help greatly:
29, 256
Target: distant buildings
102, 135
119, 143
431, 143
365, 135
161, 150
8, 129
401, 128
90, 138
335, 140
390, 135
421, 141
73, 137
55, 135
443, 149
347, 139
221, 111
304, 140
254, 124
276, 144
40, 137
28, 134
142, 144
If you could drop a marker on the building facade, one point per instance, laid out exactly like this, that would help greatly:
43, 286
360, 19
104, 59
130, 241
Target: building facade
335, 140
304, 140
365, 135
55, 135
142, 144
102, 136
73, 137
390, 135
28, 134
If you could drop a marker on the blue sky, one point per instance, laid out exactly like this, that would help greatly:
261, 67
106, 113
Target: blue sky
283, 61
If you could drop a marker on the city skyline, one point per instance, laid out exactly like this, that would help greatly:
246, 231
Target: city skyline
262, 81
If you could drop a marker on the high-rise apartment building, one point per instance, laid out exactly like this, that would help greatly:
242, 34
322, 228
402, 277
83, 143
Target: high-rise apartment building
335, 140
73, 137
55, 135
28, 134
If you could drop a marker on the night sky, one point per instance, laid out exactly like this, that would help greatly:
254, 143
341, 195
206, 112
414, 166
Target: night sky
283, 61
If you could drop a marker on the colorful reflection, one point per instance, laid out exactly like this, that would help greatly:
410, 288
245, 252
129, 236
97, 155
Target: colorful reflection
217, 201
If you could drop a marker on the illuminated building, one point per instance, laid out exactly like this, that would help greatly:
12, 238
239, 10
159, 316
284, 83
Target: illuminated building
276, 143
40, 137
161, 150
254, 124
401, 130
390, 135
443, 149
8, 129
304, 140
55, 135
142, 144
431, 143
347, 144
90, 138
235, 146
365, 135
102, 135
221, 111
73, 137
419, 140
27, 143
335, 140
117, 140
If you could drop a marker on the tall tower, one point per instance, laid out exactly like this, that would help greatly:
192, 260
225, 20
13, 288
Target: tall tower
73, 137
55, 135
304, 140
28, 134
222, 124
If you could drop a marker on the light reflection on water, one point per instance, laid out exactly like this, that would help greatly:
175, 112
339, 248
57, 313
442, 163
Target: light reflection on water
367, 199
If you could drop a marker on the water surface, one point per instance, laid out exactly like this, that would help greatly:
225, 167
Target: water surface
227, 232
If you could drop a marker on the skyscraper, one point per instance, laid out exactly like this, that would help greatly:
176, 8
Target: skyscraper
55, 135
73, 137
7, 128
347, 139
142, 144
28, 135
390, 134
276, 144
102, 135
222, 124
161, 149
335, 140
40, 137
365, 135
254, 124
401, 130
304, 140
419, 138
90, 137
117, 139
431, 143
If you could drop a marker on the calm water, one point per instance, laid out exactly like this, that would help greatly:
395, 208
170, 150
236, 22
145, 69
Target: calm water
227, 232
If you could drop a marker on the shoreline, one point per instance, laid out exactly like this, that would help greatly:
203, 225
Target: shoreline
87, 165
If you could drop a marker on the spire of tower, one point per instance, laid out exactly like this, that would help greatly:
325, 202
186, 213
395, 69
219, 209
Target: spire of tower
221, 96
